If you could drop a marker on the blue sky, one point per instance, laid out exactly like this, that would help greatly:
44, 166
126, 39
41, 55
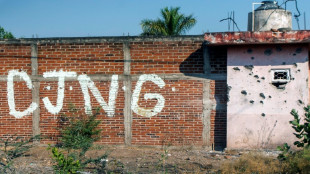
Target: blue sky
78, 18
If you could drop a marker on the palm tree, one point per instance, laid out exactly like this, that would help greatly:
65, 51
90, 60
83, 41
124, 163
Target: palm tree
172, 24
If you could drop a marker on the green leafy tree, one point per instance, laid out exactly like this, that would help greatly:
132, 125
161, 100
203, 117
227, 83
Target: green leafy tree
5, 34
172, 23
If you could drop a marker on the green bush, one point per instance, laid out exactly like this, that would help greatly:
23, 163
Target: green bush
64, 164
302, 130
297, 162
78, 134
81, 132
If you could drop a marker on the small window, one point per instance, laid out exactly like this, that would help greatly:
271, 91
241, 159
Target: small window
280, 75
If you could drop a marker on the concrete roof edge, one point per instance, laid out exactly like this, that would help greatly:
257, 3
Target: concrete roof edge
68, 40
265, 37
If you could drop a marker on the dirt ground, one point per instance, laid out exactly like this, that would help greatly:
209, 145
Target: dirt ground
134, 159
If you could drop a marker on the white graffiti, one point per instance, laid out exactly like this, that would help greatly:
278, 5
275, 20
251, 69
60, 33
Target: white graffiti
160, 99
86, 83
61, 90
11, 99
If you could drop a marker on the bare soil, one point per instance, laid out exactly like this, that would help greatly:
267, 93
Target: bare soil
135, 159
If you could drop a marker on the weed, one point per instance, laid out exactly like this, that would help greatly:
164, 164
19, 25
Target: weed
64, 164
12, 148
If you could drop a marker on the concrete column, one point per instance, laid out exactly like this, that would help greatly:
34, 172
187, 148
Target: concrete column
35, 90
206, 118
207, 103
128, 94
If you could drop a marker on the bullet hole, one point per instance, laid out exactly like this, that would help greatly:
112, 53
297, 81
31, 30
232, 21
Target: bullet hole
249, 67
249, 50
284, 101
268, 52
300, 102
263, 114
298, 70
278, 48
283, 63
294, 54
251, 101
252, 58
256, 76
250, 74
261, 102
295, 64
1, 51
263, 78
258, 81
229, 88
244, 92
262, 95
270, 97
236, 69
298, 50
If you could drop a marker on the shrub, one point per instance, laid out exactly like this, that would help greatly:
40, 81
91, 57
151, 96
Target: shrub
302, 130
81, 132
298, 162
64, 164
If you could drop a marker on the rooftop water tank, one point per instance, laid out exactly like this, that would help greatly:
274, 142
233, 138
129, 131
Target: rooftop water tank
270, 16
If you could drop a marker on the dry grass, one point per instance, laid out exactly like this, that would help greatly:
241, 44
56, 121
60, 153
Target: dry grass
252, 163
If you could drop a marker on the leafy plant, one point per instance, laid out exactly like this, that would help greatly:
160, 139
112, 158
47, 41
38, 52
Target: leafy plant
12, 148
302, 130
64, 164
297, 162
78, 134
285, 152
81, 132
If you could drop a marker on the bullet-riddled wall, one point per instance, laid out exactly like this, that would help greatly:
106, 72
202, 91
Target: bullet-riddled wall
265, 82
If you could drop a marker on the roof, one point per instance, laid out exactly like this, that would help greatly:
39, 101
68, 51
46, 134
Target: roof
264, 37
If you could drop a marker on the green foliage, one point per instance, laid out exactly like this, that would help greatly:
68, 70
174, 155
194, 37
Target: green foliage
302, 130
78, 134
172, 23
297, 162
81, 132
12, 148
64, 164
285, 152
5, 34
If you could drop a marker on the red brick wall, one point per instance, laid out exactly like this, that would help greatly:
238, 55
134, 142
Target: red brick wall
180, 121
90, 58
166, 57
15, 56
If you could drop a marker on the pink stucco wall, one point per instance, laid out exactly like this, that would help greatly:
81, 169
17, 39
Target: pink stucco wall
253, 121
